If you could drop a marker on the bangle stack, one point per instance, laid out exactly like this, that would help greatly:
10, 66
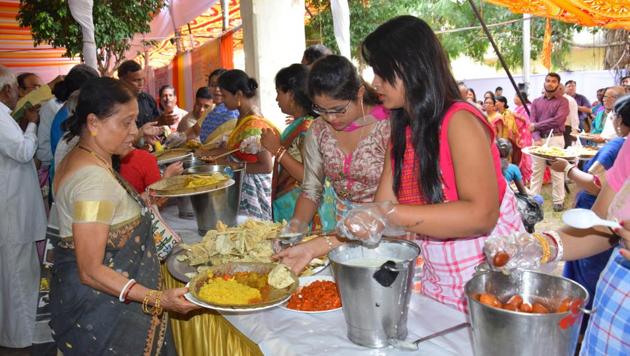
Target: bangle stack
122, 297
559, 244
280, 152
156, 309
546, 249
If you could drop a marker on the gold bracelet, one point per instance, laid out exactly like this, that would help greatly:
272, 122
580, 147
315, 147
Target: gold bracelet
544, 244
157, 309
145, 302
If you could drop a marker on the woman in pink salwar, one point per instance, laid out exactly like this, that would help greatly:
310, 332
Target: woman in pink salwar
525, 136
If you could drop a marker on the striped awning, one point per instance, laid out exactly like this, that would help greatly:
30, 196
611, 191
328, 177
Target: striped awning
18, 52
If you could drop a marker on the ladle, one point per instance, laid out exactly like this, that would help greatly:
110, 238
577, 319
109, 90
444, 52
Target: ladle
585, 219
413, 345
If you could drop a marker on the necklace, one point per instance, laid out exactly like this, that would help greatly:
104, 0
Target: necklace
249, 112
95, 155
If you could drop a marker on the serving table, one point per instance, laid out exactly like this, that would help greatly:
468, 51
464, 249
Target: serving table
281, 332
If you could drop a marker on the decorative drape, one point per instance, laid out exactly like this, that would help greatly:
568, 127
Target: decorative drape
81, 11
341, 24
603, 13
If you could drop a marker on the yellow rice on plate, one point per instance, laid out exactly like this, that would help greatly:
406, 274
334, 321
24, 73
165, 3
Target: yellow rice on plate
228, 291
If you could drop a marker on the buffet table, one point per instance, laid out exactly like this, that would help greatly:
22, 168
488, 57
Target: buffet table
281, 332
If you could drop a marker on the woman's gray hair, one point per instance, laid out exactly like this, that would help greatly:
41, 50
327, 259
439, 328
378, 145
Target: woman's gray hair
7, 77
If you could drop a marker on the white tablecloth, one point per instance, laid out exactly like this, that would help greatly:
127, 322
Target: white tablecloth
280, 332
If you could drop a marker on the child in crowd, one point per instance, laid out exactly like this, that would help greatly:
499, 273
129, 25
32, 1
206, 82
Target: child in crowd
530, 207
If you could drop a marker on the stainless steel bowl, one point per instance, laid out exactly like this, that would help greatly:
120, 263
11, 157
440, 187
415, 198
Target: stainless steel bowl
220, 205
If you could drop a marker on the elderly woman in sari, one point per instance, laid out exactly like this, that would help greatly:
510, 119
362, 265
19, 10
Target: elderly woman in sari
289, 168
345, 145
220, 121
106, 292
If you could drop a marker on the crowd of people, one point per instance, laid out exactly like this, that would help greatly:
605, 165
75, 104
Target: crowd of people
413, 149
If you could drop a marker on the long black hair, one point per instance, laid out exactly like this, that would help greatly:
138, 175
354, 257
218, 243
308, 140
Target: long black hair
98, 96
293, 79
405, 47
336, 77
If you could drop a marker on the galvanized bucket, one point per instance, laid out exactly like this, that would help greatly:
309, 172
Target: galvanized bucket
375, 297
499, 332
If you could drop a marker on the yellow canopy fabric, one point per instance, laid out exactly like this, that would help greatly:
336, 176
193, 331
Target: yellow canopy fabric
614, 14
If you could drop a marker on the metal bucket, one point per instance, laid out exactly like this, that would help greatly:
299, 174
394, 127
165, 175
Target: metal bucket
220, 205
375, 297
184, 205
502, 332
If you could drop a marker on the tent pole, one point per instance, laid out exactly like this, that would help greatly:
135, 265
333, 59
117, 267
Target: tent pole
527, 48
496, 50
225, 12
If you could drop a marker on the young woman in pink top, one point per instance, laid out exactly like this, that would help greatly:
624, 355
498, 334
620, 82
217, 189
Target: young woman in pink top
442, 172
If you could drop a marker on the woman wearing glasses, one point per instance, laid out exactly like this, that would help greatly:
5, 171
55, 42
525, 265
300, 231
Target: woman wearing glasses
346, 145
442, 178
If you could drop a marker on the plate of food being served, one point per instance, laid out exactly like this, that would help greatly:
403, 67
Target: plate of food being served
548, 152
242, 286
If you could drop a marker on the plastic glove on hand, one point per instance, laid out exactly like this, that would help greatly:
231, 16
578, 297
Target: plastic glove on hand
175, 139
367, 222
293, 232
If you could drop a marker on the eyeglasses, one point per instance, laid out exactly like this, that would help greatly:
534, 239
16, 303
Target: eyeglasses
335, 111
610, 96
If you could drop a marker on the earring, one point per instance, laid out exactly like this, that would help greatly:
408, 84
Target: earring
93, 133
362, 111
239, 103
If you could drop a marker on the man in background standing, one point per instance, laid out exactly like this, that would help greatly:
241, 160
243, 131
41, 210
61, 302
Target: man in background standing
584, 106
573, 119
131, 72
22, 222
548, 117
27, 82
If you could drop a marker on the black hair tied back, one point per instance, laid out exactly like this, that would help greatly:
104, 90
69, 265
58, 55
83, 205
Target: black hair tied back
98, 96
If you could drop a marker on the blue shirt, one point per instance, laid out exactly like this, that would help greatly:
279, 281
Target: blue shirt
586, 271
216, 118
512, 173
56, 132
606, 157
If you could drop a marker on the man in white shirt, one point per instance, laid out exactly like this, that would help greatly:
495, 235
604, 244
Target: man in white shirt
22, 222
171, 113
573, 119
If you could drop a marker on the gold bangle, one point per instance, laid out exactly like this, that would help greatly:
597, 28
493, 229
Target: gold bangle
544, 244
157, 309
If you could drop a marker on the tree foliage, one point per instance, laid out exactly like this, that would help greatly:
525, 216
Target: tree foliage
444, 16
115, 23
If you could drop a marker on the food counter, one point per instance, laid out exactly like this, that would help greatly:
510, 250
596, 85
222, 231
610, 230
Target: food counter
282, 332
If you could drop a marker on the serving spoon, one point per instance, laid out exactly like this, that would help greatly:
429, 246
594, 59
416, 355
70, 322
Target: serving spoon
585, 219
413, 345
